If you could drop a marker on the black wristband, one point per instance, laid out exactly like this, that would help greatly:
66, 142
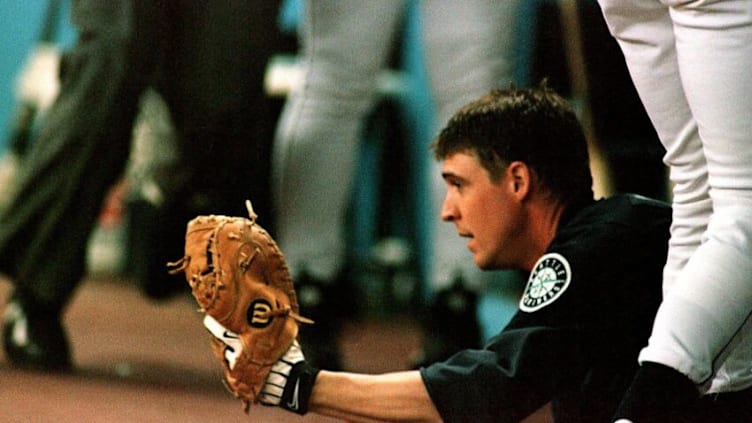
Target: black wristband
658, 394
299, 387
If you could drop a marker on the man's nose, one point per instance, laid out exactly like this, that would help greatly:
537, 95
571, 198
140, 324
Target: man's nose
448, 213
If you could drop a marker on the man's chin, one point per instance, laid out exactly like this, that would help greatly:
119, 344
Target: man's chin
483, 264
489, 263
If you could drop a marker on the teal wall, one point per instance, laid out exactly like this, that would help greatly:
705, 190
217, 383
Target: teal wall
20, 25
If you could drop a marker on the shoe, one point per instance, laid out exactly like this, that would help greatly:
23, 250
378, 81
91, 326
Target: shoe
450, 325
34, 340
318, 300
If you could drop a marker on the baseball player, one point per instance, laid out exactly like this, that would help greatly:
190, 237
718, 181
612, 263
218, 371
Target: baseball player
690, 63
515, 164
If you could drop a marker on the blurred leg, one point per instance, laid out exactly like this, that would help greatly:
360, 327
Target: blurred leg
81, 150
79, 154
469, 49
345, 44
690, 63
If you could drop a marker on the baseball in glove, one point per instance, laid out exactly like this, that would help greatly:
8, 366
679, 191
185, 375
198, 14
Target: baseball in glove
240, 280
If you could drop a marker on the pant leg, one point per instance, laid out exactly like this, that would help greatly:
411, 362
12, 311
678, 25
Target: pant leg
218, 127
213, 83
714, 50
469, 48
345, 44
81, 150
690, 62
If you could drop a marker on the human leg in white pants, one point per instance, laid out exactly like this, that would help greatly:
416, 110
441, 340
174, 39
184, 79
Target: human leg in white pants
469, 49
690, 62
344, 45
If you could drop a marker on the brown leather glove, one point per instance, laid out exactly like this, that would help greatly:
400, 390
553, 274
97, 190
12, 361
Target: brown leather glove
239, 277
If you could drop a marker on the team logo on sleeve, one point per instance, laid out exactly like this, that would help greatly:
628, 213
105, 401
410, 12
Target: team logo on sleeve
548, 280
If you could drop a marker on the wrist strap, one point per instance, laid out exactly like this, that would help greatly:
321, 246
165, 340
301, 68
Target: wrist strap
299, 387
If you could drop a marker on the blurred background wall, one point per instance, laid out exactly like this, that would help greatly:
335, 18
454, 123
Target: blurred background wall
21, 25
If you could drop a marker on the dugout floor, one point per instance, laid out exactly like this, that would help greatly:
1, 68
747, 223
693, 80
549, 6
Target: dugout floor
141, 361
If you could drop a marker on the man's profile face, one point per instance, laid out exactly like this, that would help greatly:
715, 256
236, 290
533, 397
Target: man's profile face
485, 212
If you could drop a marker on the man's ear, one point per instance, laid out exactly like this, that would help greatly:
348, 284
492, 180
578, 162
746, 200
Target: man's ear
520, 177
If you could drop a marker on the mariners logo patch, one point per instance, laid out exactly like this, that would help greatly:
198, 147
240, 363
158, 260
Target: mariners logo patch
548, 280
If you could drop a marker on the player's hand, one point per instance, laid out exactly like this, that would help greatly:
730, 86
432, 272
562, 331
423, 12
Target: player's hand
290, 381
233, 346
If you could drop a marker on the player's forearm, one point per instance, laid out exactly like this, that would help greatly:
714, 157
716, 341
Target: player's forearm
357, 398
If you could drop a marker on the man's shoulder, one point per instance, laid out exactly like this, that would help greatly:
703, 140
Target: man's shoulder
615, 229
623, 210
638, 201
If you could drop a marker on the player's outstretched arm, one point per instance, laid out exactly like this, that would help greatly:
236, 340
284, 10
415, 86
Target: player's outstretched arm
241, 282
298, 387
359, 398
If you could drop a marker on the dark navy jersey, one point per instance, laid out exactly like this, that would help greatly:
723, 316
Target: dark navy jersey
585, 313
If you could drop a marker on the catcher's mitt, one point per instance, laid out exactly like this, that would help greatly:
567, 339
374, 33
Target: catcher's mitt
239, 277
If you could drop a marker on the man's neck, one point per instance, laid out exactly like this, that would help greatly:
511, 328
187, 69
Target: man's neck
544, 220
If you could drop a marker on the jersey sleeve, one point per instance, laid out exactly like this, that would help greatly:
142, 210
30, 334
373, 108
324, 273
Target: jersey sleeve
515, 375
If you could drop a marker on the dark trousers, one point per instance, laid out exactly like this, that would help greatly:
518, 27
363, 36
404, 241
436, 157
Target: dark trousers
205, 57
